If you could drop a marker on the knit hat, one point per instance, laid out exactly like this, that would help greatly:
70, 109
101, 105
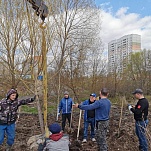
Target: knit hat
11, 91
66, 92
54, 128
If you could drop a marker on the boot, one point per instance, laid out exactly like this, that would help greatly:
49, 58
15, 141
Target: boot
8, 148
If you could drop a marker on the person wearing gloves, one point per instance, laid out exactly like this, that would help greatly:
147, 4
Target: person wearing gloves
140, 115
8, 116
89, 118
57, 141
65, 106
102, 110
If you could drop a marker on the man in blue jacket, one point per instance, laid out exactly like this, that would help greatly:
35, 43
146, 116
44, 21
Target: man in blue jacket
65, 106
89, 118
102, 110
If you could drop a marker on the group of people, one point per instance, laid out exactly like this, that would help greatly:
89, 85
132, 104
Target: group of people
101, 109
97, 114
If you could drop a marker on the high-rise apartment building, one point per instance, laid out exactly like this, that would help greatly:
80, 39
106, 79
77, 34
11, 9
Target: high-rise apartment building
119, 50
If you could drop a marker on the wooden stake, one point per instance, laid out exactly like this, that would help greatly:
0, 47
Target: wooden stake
120, 117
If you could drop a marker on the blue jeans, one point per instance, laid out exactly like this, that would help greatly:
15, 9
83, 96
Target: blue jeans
140, 127
10, 133
90, 121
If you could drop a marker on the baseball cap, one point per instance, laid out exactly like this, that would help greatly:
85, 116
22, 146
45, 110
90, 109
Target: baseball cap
138, 91
93, 94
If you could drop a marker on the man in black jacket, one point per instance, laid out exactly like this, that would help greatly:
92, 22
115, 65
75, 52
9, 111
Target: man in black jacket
9, 115
140, 115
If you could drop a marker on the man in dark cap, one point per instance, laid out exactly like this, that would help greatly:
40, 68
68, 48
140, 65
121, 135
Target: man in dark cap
57, 140
8, 116
140, 115
65, 106
89, 118
102, 110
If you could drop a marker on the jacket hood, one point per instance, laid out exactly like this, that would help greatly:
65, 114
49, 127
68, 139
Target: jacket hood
11, 91
56, 137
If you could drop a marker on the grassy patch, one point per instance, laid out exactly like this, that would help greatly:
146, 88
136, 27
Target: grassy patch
29, 109
33, 110
115, 100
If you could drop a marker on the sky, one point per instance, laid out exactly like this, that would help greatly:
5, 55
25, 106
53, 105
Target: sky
123, 17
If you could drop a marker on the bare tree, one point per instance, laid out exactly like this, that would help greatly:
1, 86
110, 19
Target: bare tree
13, 34
76, 37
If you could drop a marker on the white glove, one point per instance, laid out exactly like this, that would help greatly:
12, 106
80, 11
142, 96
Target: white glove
129, 107
58, 114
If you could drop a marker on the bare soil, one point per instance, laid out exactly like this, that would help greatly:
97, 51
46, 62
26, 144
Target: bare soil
123, 139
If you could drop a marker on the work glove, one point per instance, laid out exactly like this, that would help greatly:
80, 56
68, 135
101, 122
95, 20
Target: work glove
129, 107
33, 99
58, 114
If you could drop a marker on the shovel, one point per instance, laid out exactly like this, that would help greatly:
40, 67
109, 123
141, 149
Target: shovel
79, 124
71, 117
77, 142
70, 130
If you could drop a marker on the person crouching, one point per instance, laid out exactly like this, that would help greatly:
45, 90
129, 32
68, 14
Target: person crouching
57, 140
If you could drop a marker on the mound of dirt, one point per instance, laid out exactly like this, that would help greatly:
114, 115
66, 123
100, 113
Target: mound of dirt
118, 139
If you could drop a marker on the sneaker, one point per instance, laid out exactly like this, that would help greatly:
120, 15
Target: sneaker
84, 141
93, 140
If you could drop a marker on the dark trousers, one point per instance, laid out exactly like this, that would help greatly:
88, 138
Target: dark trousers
101, 132
64, 117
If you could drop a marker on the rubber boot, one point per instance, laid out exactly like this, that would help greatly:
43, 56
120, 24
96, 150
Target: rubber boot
8, 148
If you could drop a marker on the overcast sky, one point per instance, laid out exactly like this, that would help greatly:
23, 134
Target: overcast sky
122, 17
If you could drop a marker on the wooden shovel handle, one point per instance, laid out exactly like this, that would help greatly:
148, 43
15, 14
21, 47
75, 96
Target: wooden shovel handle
79, 124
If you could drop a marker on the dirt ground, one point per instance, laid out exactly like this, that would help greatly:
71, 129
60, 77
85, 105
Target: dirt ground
123, 139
